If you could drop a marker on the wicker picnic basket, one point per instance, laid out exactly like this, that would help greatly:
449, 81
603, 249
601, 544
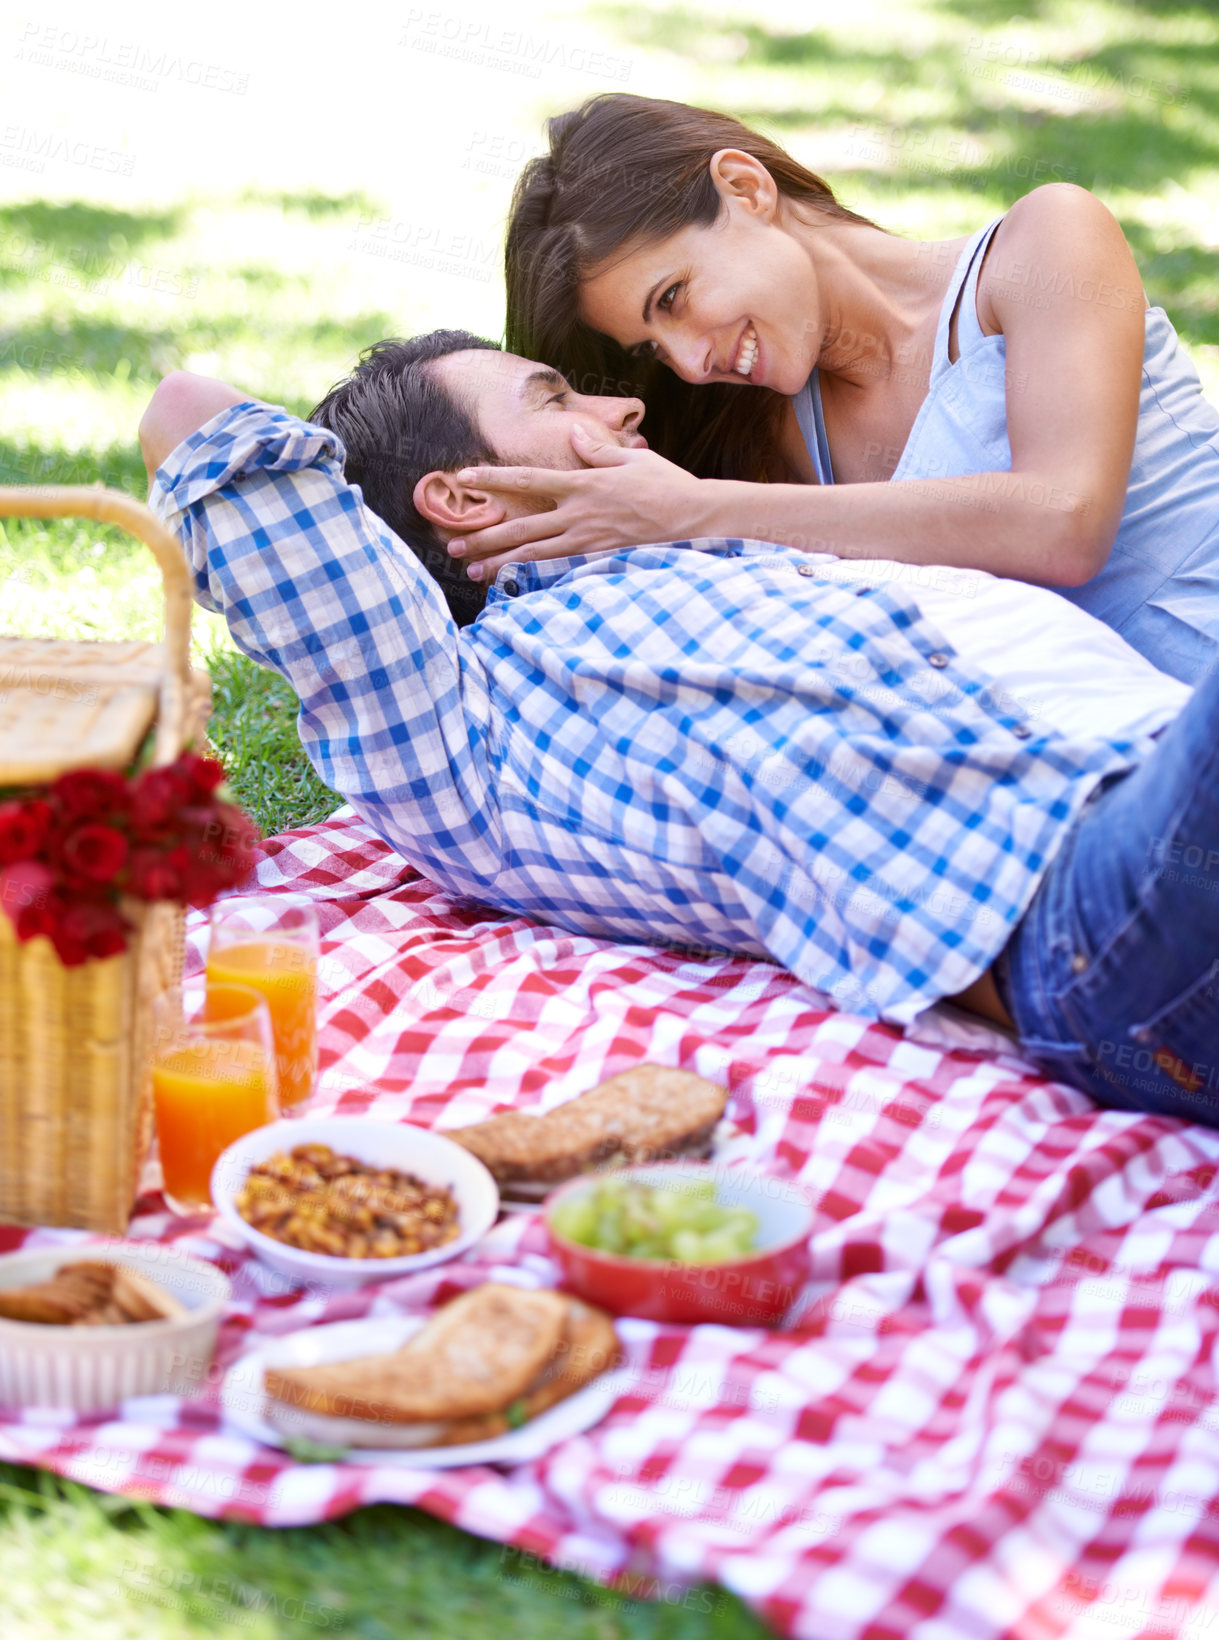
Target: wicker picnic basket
75, 1091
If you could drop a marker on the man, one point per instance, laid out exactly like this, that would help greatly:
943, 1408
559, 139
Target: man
973, 790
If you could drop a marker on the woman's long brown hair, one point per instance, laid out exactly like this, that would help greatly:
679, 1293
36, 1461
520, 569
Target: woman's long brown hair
623, 171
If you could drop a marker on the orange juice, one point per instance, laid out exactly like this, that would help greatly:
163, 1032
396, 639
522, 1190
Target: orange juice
285, 973
207, 1094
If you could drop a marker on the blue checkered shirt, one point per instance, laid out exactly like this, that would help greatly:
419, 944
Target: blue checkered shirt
701, 744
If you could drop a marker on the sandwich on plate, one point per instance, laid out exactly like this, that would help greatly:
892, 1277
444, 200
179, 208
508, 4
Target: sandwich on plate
647, 1114
488, 1362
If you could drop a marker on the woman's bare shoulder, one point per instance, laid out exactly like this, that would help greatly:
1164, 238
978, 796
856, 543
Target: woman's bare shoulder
1058, 240
1058, 213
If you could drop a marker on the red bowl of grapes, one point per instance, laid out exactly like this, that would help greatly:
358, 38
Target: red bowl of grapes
683, 1241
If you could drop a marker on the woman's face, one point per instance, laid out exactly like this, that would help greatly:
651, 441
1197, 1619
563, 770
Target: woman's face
736, 301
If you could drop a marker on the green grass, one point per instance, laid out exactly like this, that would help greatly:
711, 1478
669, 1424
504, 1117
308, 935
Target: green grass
930, 116
75, 1562
253, 727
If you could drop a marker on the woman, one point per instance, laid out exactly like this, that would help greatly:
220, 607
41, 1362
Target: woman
1043, 419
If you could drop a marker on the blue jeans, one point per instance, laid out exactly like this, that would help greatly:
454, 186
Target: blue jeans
1112, 975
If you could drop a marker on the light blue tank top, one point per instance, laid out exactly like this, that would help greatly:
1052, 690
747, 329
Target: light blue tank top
1160, 585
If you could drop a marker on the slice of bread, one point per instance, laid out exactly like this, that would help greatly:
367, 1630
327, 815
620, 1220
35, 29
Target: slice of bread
478, 1354
588, 1348
649, 1113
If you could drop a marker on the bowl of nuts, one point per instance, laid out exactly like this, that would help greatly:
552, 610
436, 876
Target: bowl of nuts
338, 1201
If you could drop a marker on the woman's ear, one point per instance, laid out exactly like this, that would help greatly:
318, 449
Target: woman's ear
453, 507
744, 181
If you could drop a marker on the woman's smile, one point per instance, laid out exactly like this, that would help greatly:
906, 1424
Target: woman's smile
747, 353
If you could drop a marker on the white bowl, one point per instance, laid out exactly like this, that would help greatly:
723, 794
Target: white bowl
92, 1368
429, 1156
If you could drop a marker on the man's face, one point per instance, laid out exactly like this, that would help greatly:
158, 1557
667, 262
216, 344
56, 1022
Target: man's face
526, 411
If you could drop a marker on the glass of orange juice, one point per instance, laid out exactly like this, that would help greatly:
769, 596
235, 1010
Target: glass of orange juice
269, 942
213, 1079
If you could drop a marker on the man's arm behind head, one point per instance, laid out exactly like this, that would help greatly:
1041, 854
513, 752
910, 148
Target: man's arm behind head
179, 407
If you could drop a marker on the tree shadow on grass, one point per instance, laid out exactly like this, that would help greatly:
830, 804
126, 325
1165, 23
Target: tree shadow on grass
1132, 110
316, 206
996, 120
78, 228
78, 257
75, 345
83, 229
989, 13
65, 546
118, 465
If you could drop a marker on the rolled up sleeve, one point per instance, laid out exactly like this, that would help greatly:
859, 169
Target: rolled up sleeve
394, 707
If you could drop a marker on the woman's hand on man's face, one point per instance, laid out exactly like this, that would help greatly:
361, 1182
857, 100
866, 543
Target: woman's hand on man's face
624, 498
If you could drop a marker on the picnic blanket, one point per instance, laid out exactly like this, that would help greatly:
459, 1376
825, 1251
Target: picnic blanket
994, 1415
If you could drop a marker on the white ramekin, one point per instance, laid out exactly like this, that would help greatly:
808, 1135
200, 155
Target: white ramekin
91, 1368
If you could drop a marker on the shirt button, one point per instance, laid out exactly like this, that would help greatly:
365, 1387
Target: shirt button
938, 659
1078, 963
510, 589
806, 569
1022, 732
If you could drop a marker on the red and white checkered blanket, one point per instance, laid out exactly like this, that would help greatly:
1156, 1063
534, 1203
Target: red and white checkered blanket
996, 1415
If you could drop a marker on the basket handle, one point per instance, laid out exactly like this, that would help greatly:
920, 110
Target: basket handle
117, 507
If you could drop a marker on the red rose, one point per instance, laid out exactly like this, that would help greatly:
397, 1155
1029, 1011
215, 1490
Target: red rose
152, 878
90, 794
180, 861
233, 838
24, 829
156, 799
27, 894
70, 950
96, 852
204, 774
222, 852
89, 928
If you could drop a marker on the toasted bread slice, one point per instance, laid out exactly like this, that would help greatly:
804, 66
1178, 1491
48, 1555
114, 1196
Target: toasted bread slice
646, 1114
532, 1192
479, 1353
588, 1348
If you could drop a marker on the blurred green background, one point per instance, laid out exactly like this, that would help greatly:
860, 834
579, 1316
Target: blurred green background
258, 195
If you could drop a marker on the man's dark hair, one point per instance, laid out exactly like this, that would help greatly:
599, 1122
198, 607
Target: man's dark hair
397, 422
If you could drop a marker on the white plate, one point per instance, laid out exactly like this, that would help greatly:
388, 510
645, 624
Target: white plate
244, 1400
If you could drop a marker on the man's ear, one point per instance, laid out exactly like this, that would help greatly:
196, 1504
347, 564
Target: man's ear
455, 507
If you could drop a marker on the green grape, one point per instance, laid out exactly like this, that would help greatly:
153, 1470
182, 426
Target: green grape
687, 1246
718, 1246
682, 1222
639, 1218
670, 1208
576, 1219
